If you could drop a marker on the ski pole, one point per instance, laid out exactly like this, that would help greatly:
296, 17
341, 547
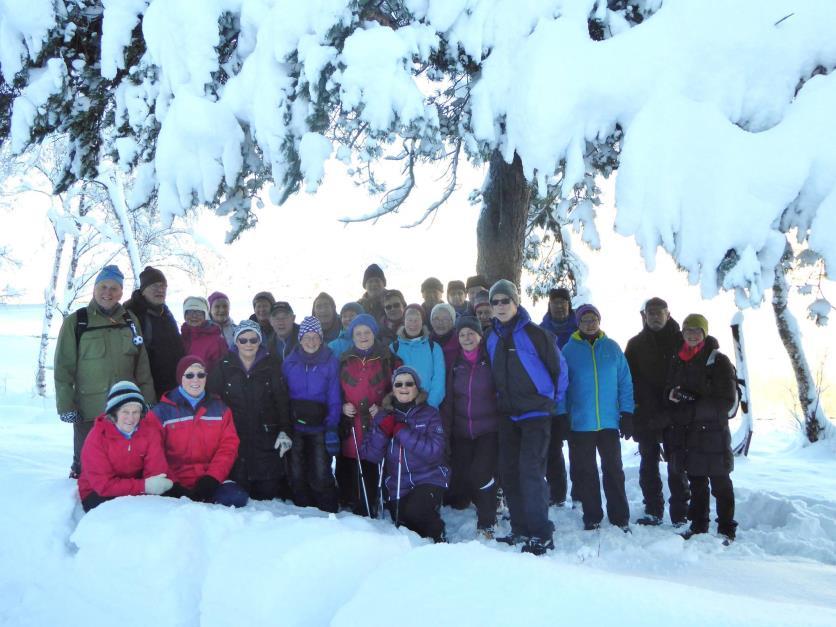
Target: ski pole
398, 491
380, 490
360, 471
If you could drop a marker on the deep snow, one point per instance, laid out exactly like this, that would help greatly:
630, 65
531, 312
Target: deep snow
154, 561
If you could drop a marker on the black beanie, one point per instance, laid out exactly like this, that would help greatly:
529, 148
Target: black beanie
373, 271
469, 322
149, 276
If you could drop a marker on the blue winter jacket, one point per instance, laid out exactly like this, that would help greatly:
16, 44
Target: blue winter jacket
600, 386
316, 378
341, 344
563, 330
528, 368
428, 360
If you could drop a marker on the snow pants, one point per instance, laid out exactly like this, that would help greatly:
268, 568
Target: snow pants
420, 511
523, 449
473, 476
607, 444
351, 493
556, 471
698, 511
650, 481
310, 472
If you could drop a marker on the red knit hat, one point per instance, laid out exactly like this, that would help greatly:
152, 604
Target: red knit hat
186, 362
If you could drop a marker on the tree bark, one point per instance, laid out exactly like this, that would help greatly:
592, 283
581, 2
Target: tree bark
500, 232
49, 311
815, 423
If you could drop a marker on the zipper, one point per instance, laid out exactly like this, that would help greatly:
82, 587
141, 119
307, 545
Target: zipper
595, 377
469, 401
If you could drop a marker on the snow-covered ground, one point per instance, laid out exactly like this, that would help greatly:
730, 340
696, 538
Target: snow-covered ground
155, 561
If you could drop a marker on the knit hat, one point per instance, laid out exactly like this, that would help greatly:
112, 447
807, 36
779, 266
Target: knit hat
696, 321
187, 362
407, 370
444, 307
560, 292
310, 324
655, 302
455, 285
373, 271
414, 307
585, 309
149, 276
264, 296
504, 286
215, 296
247, 325
468, 322
357, 308
363, 320
123, 392
476, 281
432, 284
111, 273
196, 303
481, 298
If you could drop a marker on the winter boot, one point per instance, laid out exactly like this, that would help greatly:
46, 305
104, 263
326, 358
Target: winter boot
538, 546
728, 532
591, 526
649, 520
693, 531
511, 539
486, 533
626, 529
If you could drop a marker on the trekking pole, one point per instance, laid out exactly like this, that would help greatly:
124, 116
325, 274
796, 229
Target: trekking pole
398, 491
380, 490
360, 471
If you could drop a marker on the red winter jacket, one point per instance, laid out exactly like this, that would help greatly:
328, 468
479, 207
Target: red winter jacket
365, 381
199, 441
113, 465
207, 342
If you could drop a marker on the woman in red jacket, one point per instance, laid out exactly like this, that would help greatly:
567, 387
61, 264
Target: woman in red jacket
123, 455
199, 437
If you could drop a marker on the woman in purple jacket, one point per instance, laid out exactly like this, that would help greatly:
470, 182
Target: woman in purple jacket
410, 436
471, 420
313, 380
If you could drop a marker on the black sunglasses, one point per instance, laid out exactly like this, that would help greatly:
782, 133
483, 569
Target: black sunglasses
248, 340
392, 306
500, 301
404, 384
192, 375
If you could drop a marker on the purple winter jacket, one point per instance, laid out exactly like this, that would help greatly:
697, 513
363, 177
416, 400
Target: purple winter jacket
421, 446
469, 407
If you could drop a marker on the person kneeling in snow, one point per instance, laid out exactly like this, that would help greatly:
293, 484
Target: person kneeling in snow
123, 455
409, 434
199, 437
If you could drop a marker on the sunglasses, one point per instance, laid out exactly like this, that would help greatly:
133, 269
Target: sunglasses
392, 306
404, 384
500, 301
192, 375
248, 340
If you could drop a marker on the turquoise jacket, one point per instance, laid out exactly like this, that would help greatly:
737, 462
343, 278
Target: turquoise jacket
600, 385
427, 357
341, 344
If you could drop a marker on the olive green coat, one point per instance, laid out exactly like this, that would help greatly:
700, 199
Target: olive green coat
104, 356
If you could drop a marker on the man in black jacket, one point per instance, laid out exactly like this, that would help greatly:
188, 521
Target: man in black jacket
649, 355
159, 328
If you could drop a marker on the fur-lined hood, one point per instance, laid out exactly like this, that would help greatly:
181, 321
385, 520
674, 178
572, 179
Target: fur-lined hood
388, 401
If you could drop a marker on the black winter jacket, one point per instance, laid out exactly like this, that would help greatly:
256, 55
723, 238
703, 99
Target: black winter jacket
260, 409
701, 437
649, 355
162, 341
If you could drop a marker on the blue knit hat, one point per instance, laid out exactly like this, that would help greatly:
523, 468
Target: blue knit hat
407, 370
310, 324
364, 320
111, 273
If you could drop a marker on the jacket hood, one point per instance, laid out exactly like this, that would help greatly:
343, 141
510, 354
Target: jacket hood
388, 401
425, 334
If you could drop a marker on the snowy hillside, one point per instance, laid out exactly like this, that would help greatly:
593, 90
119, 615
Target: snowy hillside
155, 561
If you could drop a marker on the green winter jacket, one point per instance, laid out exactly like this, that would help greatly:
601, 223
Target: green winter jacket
106, 354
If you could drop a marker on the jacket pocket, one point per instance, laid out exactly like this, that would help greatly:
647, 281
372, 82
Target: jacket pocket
92, 347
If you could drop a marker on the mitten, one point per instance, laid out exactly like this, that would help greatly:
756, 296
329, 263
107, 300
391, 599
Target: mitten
332, 442
283, 443
204, 488
387, 425
626, 426
158, 484
70, 416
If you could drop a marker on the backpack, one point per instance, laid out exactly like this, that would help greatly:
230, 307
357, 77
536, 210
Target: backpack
82, 323
739, 384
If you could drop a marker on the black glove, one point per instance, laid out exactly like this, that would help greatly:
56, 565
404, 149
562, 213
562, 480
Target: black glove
682, 396
204, 488
561, 423
625, 428
176, 491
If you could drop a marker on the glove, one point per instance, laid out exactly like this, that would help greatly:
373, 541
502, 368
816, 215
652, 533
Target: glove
563, 426
158, 484
332, 442
70, 416
204, 488
283, 443
625, 428
398, 426
387, 425
177, 491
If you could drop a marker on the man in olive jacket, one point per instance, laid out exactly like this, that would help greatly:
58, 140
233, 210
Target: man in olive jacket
98, 345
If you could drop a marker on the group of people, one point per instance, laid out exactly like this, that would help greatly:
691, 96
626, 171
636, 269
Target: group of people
412, 405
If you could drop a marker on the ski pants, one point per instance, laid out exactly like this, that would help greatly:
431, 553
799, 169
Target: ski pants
473, 476
698, 511
607, 444
420, 511
310, 472
650, 481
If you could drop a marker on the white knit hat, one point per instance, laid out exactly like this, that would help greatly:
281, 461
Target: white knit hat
196, 303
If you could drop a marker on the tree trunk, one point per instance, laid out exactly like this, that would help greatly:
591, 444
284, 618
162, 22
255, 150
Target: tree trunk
500, 232
49, 311
815, 423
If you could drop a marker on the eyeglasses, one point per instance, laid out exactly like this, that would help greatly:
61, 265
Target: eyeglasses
248, 340
192, 375
404, 384
500, 301
392, 306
